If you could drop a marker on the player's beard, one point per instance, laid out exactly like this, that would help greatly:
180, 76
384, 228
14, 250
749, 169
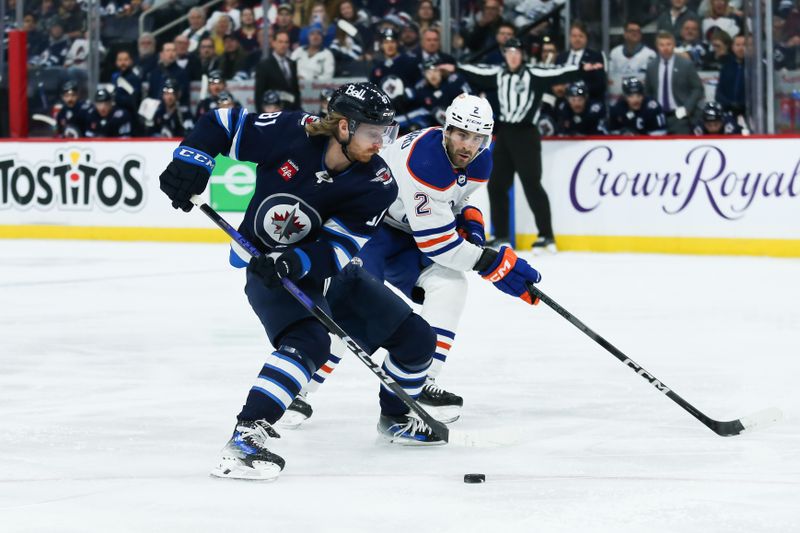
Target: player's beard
362, 156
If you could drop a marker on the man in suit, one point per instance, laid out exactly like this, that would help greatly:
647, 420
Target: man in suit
277, 72
673, 82
591, 64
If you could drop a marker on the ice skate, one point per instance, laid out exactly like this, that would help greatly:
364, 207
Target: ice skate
298, 412
544, 245
443, 406
246, 455
407, 430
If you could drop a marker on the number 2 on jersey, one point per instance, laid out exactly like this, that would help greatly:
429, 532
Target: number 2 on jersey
422, 208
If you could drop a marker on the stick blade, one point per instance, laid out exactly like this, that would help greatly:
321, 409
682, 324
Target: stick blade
754, 422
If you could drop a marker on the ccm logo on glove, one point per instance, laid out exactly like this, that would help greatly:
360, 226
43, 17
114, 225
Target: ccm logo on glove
194, 157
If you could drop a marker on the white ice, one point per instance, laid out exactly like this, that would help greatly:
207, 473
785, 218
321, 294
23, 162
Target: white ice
123, 365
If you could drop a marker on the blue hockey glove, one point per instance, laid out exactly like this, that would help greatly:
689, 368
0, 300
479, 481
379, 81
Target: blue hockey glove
469, 224
293, 264
186, 175
509, 273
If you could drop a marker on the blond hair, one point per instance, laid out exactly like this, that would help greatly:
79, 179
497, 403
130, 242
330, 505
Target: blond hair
325, 125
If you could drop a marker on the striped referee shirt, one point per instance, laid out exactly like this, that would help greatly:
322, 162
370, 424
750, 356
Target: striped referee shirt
519, 94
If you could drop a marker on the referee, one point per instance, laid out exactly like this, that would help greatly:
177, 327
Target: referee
518, 145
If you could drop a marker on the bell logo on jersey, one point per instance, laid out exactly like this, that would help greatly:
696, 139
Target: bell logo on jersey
283, 219
355, 93
288, 170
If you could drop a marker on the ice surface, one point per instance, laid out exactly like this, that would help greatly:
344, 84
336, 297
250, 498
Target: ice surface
122, 366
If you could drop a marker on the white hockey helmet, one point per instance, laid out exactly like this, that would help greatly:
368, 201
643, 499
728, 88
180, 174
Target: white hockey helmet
470, 113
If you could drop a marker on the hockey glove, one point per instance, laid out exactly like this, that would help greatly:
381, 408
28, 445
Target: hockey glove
293, 264
469, 224
186, 175
509, 273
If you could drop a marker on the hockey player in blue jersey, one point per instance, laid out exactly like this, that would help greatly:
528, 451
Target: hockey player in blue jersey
581, 116
716, 122
636, 114
321, 192
432, 236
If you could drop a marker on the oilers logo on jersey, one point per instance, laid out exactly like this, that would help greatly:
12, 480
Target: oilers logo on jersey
283, 219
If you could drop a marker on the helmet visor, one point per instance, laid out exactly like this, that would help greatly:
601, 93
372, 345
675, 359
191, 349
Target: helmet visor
376, 134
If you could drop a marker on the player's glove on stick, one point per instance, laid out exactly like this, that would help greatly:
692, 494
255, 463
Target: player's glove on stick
469, 224
293, 264
186, 175
508, 272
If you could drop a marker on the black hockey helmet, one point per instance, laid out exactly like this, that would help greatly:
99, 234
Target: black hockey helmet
271, 98
632, 85
389, 34
712, 112
170, 86
215, 76
102, 95
224, 96
69, 86
362, 103
577, 89
513, 42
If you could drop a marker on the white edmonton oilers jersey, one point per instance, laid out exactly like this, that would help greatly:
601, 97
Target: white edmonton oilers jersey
432, 193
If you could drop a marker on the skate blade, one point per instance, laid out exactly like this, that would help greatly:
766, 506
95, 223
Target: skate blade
291, 420
445, 414
401, 441
236, 470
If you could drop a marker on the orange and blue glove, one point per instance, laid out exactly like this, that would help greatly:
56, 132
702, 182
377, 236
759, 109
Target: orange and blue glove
509, 273
469, 224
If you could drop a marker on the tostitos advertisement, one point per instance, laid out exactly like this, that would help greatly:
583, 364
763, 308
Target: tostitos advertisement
722, 196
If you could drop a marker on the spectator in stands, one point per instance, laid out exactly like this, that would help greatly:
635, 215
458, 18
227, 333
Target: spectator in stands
426, 16
216, 86
277, 71
169, 120
36, 40
168, 68
409, 37
431, 49
148, 59
672, 19
187, 61
529, 11
720, 50
71, 118
197, 30
730, 89
505, 31
124, 25
73, 18
673, 82
234, 63
57, 47
127, 85
787, 45
380, 9
45, 12
716, 121
248, 32
345, 52
393, 63
313, 61
209, 61
635, 113
486, 22
229, 8
105, 119
691, 45
629, 58
284, 22
591, 63
548, 52
222, 27
347, 11
319, 16
720, 17
582, 115
432, 95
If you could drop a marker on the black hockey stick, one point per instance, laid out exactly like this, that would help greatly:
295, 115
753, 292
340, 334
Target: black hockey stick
723, 429
438, 428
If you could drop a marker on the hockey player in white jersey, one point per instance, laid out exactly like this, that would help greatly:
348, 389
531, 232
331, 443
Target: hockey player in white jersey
432, 236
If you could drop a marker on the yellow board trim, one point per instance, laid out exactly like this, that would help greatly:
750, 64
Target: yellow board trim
575, 243
670, 245
113, 233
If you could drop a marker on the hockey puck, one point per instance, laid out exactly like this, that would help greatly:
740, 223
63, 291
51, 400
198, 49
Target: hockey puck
474, 478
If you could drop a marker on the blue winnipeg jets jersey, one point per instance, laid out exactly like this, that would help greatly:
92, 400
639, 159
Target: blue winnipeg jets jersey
297, 201
648, 120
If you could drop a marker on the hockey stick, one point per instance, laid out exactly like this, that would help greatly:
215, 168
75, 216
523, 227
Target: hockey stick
438, 428
723, 429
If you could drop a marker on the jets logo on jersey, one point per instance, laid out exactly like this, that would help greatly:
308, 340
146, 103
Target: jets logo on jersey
383, 176
283, 219
288, 170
